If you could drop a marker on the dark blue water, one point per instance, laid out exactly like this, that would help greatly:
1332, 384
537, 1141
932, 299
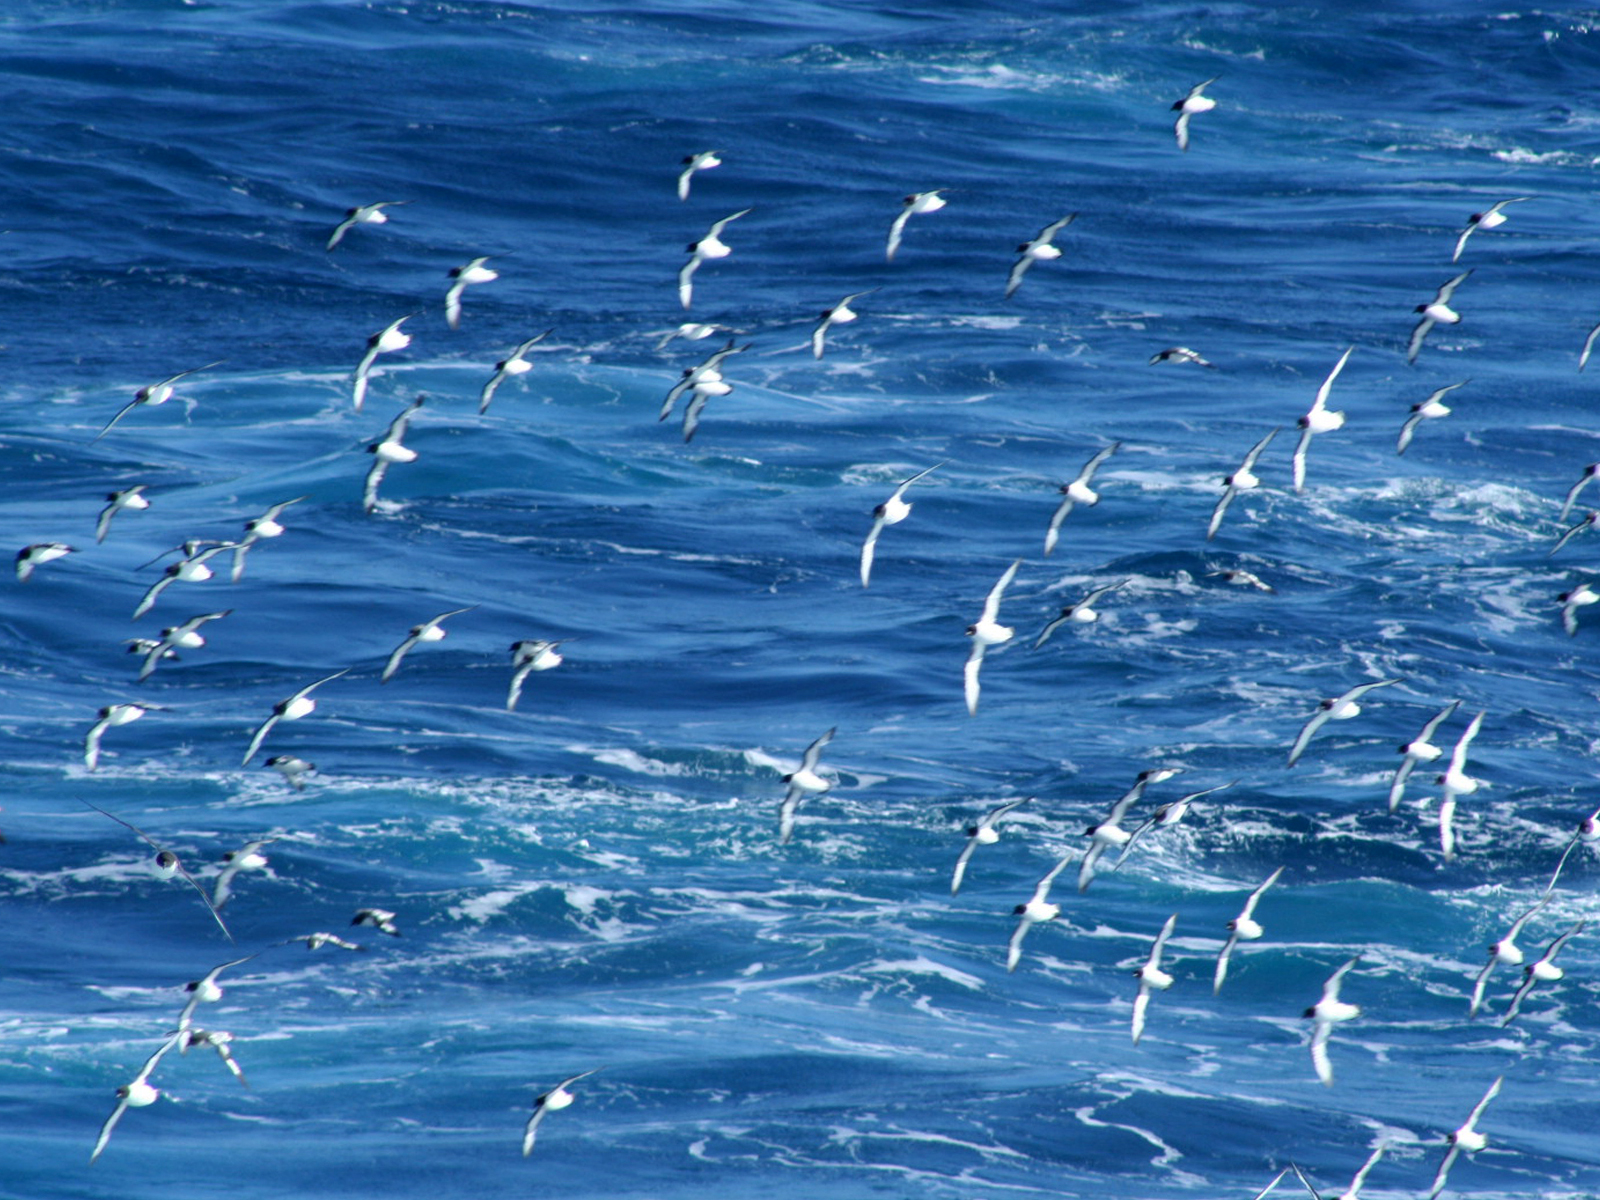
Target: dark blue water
595, 881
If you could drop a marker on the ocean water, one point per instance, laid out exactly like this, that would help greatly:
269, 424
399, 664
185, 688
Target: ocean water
594, 882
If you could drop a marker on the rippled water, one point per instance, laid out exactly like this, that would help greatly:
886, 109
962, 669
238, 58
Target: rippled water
594, 881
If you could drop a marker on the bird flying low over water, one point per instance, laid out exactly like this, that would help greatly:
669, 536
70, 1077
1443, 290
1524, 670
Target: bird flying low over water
1243, 928
362, 214
129, 498
985, 833
462, 278
1165, 817
167, 864
191, 568
1590, 472
919, 202
30, 557
186, 636
1435, 312
1318, 419
387, 340
1324, 1015
296, 706
1038, 248
429, 631
840, 314
1456, 782
891, 512
526, 658
1542, 971
247, 858
1194, 102
1490, 218
137, 1094
388, 449
1505, 951
1340, 708
1419, 749
1083, 612
153, 395
111, 715
1151, 978
205, 990
710, 246
1466, 1138
802, 782
707, 371
1181, 354
986, 631
1243, 479
266, 525
554, 1100
514, 364
703, 161
1077, 492
1036, 909
1429, 410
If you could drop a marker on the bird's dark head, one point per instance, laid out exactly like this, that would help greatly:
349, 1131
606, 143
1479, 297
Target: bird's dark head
1019, 910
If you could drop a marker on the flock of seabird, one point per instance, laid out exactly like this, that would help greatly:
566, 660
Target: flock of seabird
704, 381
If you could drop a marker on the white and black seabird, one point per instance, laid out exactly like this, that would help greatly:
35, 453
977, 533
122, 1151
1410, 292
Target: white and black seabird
1151, 978
205, 990
130, 498
362, 214
153, 395
292, 769
710, 246
919, 202
1038, 248
1435, 312
186, 636
429, 631
191, 568
703, 161
166, 865
247, 858
1077, 492
1504, 952
296, 706
986, 631
891, 512
802, 782
389, 449
1324, 1015
380, 919
1456, 782
1082, 613
1466, 1138
1243, 928
1242, 479
1543, 970
1194, 102
1340, 708
514, 364
1036, 909
1490, 218
527, 657
111, 716
137, 1094
839, 314
266, 525
461, 278
1429, 410
1419, 749
1318, 419
554, 1100
1181, 354
387, 340
708, 371
32, 556
985, 833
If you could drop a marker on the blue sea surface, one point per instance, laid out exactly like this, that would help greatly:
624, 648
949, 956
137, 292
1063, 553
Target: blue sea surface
595, 881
